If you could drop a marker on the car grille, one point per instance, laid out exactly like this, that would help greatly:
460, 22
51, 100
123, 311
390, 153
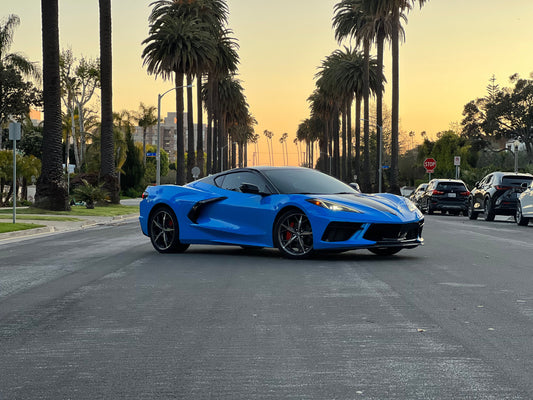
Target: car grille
394, 232
340, 231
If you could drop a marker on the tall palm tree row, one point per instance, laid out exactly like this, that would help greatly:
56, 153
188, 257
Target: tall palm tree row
189, 39
340, 81
374, 21
51, 191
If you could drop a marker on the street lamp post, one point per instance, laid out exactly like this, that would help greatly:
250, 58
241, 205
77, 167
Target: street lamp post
158, 154
516, 144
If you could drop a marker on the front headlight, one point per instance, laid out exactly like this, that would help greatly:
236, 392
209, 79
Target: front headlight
332, 206
412, 207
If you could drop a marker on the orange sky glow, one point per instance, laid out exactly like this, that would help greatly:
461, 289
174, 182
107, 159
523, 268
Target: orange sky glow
452, 49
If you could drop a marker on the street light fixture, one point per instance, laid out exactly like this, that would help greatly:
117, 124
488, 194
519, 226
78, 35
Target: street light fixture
380, 162
158, 153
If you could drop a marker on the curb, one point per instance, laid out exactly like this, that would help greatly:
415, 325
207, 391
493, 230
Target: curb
26, 232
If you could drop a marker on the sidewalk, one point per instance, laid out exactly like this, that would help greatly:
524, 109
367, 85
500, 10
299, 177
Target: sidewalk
64, 226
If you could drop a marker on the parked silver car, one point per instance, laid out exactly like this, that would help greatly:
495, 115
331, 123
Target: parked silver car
524, 208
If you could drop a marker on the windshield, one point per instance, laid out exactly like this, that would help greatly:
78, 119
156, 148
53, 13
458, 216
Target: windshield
305, 181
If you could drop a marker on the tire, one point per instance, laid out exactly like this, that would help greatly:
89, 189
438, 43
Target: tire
293, 235
488, 213
430, 210
164, 232
519, 217
470, 211
385, 251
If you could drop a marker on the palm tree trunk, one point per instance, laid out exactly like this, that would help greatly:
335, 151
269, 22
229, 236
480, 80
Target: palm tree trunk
366, 110
358, 137
200, 127
349, 140
107, 149
180, 143
379, 105
191, 158
51, 192
395, 188
343, 173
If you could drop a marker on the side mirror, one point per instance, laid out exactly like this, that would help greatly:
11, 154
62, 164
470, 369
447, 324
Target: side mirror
249, 188
524, 185
355, 186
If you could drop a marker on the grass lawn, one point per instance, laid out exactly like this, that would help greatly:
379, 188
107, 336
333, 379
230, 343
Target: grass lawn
105, 211
11, 227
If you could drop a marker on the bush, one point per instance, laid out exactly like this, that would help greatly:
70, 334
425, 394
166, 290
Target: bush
90, 194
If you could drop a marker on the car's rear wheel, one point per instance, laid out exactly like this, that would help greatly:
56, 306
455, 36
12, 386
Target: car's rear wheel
488, 213
472, 214
519, 218
293, 235
385, 251
164, 231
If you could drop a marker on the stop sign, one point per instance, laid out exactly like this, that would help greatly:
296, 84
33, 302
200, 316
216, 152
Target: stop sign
429, 165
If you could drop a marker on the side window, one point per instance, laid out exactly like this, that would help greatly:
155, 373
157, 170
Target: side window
235, 180
219, 180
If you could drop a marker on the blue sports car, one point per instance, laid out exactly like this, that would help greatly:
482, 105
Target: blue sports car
298, 210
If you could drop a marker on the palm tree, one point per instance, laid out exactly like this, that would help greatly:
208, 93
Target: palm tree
352, 20
175, 45
225, 64
15, 61
51, 192
107, 161
395, 8
146, 118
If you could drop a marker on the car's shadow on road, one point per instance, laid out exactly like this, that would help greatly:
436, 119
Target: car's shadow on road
273, 254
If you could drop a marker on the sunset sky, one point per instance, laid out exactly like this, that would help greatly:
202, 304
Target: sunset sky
452, 49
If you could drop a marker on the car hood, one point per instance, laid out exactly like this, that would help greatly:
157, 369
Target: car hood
389, 205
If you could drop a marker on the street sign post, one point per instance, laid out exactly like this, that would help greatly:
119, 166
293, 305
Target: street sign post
457, 163
429, 165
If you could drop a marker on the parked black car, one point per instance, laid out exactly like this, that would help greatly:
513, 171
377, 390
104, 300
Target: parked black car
417, 193
445, 195
496, 194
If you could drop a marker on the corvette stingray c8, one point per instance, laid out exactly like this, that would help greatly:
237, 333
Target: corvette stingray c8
298, 210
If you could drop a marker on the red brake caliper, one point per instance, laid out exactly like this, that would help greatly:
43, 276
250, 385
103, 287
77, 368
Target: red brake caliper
288, 235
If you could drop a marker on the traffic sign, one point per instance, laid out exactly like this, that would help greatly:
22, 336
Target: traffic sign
151, 154
457, 161
429, 165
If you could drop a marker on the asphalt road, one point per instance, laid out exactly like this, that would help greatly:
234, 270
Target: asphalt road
98, 314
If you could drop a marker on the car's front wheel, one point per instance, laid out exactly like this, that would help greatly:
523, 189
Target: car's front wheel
385, 251
293, 235
520, 219
488, 214
164, 231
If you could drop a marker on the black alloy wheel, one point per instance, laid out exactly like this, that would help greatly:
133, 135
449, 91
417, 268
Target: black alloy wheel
385, 251
470, 212
488, 212
519, 217
164, 232
293, 235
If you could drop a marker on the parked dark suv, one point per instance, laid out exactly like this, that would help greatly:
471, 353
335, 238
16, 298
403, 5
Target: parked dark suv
445, 195
496, 194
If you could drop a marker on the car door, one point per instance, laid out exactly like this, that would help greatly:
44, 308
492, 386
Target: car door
240, 218
483, 190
